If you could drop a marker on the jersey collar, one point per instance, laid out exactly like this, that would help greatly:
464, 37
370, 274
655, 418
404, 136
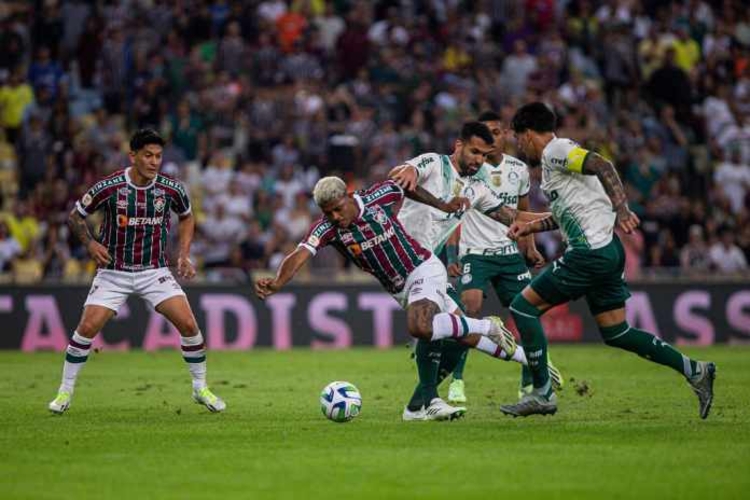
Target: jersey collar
361, 206
132, 184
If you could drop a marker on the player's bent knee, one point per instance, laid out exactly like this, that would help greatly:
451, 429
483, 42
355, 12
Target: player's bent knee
419, 318
615, 335
187, 328
87, 329
473, 310
419, 329
519, 306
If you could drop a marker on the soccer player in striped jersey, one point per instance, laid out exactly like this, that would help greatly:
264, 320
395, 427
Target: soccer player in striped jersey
363, 227
443, 176
130, 252
587, 201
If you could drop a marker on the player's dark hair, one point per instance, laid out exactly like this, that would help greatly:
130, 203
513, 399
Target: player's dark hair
489, 116
144, 137
536, 116
476, 129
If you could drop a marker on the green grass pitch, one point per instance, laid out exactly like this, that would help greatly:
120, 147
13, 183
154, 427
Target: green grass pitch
133, 432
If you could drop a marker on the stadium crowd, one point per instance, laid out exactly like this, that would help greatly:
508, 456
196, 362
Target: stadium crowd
260, 98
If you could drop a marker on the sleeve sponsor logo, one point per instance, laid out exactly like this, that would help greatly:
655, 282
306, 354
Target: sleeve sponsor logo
558, 162
424, 162
313, 241
86, 200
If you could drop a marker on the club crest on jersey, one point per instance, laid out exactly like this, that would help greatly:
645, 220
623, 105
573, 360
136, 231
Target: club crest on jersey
122, 203
86, 200
379, 216
159, 203
347, 238
513, 178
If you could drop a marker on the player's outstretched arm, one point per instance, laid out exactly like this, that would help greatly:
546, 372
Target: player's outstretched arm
292, 263
522, 228
80, 228
605, 171
405, 176
185, 230
508, 215
421, 195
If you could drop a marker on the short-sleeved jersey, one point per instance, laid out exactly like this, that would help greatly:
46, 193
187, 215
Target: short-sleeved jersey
577, 201
508, 181
136, 218
428, 225
376, 242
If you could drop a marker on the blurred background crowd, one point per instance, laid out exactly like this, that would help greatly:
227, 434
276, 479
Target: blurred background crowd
260, 98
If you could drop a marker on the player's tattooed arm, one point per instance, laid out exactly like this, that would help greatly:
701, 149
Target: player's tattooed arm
80, 228
265, 287
504, 214
547, 223
508, 215
421, 195
607, 175
524, 227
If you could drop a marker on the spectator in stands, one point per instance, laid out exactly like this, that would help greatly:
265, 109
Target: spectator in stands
670, 84
726, 256
55, 254
733, 178
694, 257
218, 76
9, 248
15, 96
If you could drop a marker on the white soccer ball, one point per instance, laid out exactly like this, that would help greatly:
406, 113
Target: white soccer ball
340, 401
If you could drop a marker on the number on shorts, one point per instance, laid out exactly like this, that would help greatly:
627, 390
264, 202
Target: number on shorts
467, 268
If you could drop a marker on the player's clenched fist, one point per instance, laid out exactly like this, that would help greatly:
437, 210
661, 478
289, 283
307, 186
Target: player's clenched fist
627, 220
458, 204
265, 287
185, 267
99, 253
519, 230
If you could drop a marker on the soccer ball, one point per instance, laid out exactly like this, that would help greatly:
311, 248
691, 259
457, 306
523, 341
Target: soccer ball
340, 401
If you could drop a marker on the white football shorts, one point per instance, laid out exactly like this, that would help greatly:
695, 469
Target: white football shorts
428, 281
112, 288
